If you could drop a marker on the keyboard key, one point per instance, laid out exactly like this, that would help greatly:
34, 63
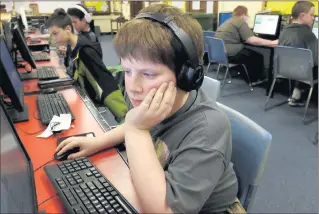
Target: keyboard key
102, 180
73, 202
111, 211
78, 210
89, 174
102, 211
120, 201
113, 193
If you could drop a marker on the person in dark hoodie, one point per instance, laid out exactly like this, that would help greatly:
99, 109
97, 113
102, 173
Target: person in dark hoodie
83, 24
86, 65
299, 34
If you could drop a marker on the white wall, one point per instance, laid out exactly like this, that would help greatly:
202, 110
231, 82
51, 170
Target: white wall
44, 6
253, 8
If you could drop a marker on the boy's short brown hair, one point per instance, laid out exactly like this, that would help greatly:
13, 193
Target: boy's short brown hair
240, 10
301, 7
146, 40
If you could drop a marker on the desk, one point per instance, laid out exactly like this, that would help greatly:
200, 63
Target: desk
41, 151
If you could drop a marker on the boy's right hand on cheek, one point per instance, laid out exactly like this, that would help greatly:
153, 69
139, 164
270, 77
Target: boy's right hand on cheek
87, 146
156, 106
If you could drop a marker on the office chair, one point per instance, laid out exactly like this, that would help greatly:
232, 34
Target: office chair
293, 64
217, 54
251, 144
211, 87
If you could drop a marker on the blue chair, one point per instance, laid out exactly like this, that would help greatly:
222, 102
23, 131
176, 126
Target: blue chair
209, 34
251, 144
211, 87
293, 64
217, 54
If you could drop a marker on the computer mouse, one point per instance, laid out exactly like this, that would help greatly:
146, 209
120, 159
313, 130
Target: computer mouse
48, 91
65, 155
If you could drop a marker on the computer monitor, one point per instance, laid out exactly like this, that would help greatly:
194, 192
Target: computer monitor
21, 45
315, 26
267, 25
223, 17
18, 194
6, 26
12, 86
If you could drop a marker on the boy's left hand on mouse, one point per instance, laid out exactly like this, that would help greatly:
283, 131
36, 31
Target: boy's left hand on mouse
156, 106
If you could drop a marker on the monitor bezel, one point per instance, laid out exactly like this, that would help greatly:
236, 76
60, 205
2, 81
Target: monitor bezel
8, 87
21, 44
30, 166
278, 24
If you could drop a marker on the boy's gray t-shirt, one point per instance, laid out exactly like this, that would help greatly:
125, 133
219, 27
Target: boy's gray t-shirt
194, 147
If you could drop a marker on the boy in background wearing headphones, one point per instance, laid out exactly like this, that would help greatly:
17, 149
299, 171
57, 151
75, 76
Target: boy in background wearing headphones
177, 140
86, 65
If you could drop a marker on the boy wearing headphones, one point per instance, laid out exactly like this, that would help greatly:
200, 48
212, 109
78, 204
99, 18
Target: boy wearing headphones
86, 65
177, 140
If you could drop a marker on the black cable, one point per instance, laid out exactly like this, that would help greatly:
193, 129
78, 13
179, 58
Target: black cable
44, 164
31, 133
47, 199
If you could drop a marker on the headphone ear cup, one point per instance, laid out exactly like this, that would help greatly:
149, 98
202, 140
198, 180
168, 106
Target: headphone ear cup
190, 79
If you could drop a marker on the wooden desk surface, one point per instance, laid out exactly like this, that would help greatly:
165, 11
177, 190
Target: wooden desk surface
41, 151
32, 85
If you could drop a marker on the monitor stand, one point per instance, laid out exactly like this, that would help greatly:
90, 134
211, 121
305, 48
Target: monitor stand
28, 75
17, 116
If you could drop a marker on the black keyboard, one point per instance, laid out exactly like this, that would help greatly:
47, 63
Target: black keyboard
47, 73
50, 105
41, 57
83, 189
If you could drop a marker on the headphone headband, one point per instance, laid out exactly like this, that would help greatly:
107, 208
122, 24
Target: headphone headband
180, 34
87, 15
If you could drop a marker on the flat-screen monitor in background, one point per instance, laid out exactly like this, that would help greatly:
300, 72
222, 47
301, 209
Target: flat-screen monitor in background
223, 17
267, 25
12, 86
315, 26
21, 45
18, 193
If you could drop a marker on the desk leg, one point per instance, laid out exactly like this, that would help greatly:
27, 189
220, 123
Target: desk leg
270, 73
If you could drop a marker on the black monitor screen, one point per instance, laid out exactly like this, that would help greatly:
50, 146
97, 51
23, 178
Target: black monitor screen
10, 80
8, 35
22, 46
17, 182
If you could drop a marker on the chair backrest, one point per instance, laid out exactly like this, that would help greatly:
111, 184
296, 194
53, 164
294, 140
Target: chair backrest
216, 50
250, 148
210, 34
211, 87
293, 63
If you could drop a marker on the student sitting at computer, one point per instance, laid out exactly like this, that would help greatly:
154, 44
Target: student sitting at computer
178, 141
86, 65
299, 34
235, 32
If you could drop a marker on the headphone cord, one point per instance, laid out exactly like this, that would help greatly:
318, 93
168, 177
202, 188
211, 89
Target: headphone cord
193, 101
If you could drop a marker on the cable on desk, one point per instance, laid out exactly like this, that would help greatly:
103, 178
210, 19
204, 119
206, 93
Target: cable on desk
31, 133
47, 199
44, 164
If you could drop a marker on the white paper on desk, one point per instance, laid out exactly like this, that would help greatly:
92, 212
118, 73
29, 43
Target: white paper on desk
64, 123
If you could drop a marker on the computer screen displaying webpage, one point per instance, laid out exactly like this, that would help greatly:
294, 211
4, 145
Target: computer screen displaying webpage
266, 24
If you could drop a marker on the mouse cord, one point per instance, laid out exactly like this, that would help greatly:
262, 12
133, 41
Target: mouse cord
44, 164
47, 199
31, 133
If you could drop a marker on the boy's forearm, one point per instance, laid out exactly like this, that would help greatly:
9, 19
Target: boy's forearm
112, 137
147, 174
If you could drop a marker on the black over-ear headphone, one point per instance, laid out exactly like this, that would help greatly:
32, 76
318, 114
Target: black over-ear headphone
191, 75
